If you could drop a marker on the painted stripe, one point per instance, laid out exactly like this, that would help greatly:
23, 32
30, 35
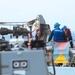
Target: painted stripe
61, 52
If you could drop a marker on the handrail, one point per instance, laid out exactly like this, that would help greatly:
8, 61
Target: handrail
52, 60
52, 42
53, 67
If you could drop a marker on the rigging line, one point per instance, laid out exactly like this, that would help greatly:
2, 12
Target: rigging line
10, 25
14, 22
3, 23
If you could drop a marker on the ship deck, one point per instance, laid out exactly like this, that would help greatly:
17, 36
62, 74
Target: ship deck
63, 70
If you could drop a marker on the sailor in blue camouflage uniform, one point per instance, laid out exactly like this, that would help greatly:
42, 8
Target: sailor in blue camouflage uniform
57, 34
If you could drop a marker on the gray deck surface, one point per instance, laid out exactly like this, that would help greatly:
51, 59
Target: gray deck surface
63, 70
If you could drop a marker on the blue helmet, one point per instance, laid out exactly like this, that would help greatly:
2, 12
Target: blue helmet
56, 24
64, 27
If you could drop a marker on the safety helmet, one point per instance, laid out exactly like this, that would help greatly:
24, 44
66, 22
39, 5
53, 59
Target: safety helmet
64, 27
56, 24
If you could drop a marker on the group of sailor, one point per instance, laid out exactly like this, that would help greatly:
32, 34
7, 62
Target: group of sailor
58, 34
61, 35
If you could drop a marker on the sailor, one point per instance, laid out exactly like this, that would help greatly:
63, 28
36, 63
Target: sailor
57, 34
38, 34
30, 39
68, 34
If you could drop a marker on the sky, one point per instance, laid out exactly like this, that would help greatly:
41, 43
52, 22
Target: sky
61, 11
